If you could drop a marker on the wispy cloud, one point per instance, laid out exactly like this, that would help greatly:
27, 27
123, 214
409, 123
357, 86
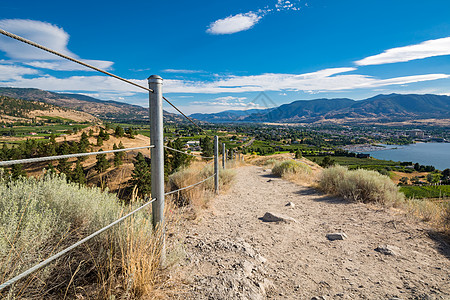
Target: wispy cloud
319, 81
236, 23
182, 71
245, 21
224, 101
333, 79
425, 49
46, 34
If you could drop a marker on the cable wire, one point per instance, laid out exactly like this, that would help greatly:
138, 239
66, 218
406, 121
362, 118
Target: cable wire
189, 186
188, 118
61, 253
56, 157
24, 40
167, 147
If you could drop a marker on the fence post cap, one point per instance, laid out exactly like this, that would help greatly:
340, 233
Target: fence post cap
155, 78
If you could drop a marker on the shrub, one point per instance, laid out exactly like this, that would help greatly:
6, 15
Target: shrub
290, 167
39, 217
360, 185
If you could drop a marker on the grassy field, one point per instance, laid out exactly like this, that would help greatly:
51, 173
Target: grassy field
420, 192
46, 130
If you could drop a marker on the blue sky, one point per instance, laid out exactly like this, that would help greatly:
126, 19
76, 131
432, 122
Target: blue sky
220, 55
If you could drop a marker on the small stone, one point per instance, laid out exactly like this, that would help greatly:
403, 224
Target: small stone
290, 204
248, 268
387, 250
261, 258
336, 236
273, 217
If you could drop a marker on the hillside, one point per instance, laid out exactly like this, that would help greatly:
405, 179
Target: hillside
18, 110
107, 110
381, 108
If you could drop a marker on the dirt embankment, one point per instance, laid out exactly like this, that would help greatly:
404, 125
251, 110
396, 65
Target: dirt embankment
231, 253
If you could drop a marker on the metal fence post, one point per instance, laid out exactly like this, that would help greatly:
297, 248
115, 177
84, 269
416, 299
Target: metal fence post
224, 155
157, 155
216, 163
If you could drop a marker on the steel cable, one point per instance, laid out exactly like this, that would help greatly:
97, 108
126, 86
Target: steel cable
189, 186
167, 147
31, 43
56, 157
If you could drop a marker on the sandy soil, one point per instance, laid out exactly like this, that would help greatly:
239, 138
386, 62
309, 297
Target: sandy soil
232, 254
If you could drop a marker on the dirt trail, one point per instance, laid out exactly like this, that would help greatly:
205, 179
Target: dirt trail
232, 254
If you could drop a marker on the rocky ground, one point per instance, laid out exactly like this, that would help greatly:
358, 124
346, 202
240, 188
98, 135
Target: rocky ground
232, 252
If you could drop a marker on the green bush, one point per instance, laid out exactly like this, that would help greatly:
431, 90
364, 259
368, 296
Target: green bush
360, 185
39, 217
290, 167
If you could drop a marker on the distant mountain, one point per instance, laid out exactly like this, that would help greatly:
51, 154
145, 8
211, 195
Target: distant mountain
381, 108
226, 116
108, 110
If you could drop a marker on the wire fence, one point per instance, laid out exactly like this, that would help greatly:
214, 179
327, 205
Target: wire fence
67, 156
75, 245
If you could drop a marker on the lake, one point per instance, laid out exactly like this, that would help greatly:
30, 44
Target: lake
434, 154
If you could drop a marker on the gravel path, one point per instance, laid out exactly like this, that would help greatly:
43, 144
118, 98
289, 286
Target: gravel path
232, 254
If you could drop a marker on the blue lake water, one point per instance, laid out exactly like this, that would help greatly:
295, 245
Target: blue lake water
434, 154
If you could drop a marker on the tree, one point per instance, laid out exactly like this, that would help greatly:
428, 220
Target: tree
207, 146
17, 171
99, 141
64, 166
91, 132
327, 162
78, 174
119, 132
118, 156
102, 163
298, 154
415, 180
83, 143
417, 166
130, 132
141, 177
434, 178
404, 180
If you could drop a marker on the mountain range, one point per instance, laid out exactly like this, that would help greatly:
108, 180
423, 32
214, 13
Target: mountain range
381, 108
107, 110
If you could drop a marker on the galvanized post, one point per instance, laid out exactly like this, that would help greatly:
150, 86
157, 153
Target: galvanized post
157, 155
216, 163
224, 155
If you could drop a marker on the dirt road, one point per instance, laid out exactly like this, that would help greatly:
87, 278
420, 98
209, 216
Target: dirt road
232, 254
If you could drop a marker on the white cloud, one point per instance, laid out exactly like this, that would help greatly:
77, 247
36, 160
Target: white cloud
10, 72
321, 81
236, 102
425, 49
233, 24
182, 71
46, 34
65, 65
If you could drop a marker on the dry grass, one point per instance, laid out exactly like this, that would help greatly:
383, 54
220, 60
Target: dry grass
294, 171
199, 196
42, 217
